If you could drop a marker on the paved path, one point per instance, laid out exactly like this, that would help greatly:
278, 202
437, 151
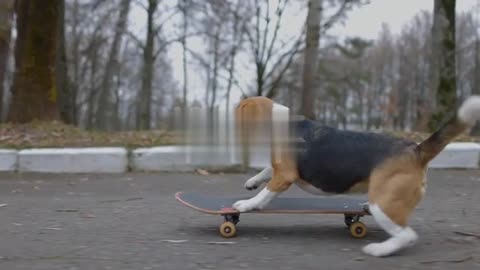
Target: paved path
126, 221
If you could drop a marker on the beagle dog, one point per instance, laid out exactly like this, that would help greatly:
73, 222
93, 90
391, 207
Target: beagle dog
323, 160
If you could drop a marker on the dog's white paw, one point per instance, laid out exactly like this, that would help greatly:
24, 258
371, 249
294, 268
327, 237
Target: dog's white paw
376, 249
245, 205
251, 184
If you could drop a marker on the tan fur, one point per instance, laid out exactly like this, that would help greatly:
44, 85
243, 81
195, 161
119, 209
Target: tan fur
254, 115
284, 174
397, 187
360, 187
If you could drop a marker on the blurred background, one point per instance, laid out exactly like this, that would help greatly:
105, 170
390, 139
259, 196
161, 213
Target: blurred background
125, 65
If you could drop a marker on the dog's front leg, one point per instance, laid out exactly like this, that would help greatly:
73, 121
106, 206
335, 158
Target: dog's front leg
279, 183
258, 179
262, 199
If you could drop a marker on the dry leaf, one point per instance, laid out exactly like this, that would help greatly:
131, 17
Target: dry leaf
203, 172
174, 241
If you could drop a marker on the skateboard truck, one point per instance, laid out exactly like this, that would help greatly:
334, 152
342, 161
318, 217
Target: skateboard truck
228, 228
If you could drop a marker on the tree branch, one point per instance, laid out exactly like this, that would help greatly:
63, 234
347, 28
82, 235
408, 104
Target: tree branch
136, 39
161, 24
272, 89
265, 31
346, 4
166, 43
140, 3
294, 50
279, 13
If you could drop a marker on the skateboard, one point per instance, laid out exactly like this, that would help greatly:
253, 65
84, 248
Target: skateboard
352, 209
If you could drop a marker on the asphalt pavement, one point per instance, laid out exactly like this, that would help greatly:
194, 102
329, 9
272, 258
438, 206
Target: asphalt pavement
132, 221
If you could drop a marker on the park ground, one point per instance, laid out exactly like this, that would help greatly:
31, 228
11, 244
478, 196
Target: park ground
132, 221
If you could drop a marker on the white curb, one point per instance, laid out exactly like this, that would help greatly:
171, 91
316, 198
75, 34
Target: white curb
176, 159
8, 160
180, 158
163, 158
74, 160
458, 156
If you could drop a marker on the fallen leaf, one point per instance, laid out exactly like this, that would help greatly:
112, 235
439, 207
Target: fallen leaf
448, 261
53, 228
67, 210
203, 172
134, 199
174, 241
88, 215
467, 234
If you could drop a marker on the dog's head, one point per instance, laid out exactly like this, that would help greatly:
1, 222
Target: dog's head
262, 124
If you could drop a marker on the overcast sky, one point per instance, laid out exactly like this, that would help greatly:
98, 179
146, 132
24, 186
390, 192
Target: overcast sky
367, 21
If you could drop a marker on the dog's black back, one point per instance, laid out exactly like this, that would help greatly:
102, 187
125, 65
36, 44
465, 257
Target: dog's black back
335, 160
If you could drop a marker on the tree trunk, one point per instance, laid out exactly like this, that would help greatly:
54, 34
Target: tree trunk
75, 63
93, 58
476, 81
66, 98
144, 108
311, 58
34, 87
106, 115
184, 10
6, 15
446, 97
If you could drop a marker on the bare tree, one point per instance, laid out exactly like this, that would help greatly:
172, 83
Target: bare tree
236, 42
106, 113
270, 62
184, 6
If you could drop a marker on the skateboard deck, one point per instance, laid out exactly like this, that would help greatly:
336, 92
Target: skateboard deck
351, 208
322, 205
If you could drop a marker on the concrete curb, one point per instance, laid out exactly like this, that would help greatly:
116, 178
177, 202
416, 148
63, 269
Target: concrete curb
175, 159
8, 160
458, 156
73, 160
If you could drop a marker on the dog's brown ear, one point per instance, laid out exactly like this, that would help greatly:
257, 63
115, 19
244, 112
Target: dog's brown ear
253, 125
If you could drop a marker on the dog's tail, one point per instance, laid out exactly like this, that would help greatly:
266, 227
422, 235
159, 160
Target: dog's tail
465, 117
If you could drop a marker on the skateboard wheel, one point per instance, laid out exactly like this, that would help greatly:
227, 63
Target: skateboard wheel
228, 229
358, 229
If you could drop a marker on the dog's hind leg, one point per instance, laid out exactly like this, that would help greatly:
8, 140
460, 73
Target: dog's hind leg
391, 203
401, 236
260, 178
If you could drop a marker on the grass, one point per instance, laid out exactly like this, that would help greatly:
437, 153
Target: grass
56, 134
